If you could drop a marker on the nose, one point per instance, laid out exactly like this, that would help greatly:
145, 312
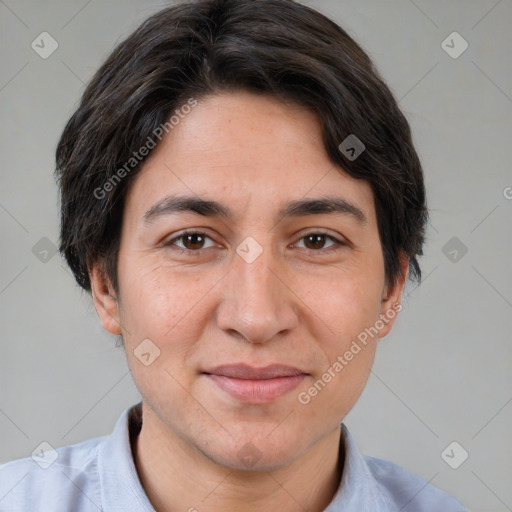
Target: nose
258, 302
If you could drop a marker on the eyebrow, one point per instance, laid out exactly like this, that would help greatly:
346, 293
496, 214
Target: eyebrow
210, 208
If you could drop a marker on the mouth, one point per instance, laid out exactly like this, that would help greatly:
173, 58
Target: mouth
252, 385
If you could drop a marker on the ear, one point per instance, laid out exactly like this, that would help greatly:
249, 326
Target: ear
392, 298
105, 300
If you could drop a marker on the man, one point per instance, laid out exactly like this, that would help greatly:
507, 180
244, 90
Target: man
241, 197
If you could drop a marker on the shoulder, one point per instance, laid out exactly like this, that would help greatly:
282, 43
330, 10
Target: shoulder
64, 478
408, 491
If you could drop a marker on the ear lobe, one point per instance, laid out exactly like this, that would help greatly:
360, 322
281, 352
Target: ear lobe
392, 298
105, 300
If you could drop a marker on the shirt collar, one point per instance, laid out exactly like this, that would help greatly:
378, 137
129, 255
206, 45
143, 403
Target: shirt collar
358, 489
121, 489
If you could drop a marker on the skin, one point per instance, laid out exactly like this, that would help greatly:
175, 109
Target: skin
300, 303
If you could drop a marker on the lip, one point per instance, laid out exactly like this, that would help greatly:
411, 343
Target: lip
245, 371
256, 385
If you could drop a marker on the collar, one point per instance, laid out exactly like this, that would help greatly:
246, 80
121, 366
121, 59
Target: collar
121, 489
358, 489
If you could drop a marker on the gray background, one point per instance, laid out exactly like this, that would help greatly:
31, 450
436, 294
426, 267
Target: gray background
443, 375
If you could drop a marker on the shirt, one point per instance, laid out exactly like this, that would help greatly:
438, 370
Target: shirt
99, 474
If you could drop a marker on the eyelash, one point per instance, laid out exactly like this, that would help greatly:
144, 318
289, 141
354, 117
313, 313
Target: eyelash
338, 243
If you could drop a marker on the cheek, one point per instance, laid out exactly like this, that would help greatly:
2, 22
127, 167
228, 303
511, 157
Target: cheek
344, 308
167, 306
162, 302
344, 302
349, 352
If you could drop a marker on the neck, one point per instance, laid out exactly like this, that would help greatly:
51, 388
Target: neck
177, 476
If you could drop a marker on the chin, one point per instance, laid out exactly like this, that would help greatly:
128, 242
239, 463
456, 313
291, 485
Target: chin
253, 453
253, 461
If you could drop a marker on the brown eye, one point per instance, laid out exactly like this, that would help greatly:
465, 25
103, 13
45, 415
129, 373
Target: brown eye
192, 241
316, 241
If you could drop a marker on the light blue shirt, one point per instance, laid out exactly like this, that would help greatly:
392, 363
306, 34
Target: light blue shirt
99, 474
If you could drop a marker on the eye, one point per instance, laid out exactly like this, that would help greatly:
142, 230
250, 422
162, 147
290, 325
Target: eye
316, 241
193, 241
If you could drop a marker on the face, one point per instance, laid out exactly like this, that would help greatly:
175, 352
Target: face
262, 277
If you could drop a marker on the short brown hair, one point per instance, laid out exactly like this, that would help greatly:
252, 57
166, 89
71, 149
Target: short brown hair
198, 48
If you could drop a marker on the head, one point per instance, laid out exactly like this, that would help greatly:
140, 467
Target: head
226, 120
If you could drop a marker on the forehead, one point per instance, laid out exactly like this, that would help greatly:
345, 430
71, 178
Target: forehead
253, 150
